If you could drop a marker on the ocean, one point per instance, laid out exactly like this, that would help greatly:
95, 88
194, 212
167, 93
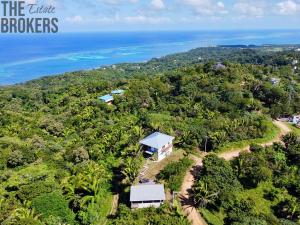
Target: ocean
27, 57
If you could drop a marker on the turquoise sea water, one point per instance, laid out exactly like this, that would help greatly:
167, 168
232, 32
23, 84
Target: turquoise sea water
26, 57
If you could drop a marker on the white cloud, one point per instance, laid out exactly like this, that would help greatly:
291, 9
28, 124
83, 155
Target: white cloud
206, 7
247, 9
288, 7
146, 19
157, 4
220, 4
30, 1
117, 19
75, 19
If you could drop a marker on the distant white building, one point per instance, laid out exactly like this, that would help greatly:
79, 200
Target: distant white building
147, 195
219, 66
296, 119
118, 92
295, 62
275, 80
158, 145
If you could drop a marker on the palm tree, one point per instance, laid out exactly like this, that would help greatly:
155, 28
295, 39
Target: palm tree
24, 213
203, 196
131, 168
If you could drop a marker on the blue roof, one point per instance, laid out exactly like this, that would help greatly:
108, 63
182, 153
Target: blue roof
107, 98
117, 92
157, 140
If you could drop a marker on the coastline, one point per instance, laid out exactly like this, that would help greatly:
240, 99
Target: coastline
62, 54
268, 47
144, 62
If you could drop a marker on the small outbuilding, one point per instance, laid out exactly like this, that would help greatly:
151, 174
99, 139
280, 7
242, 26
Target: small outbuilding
158, 145
118, 92
107, 99
147, 195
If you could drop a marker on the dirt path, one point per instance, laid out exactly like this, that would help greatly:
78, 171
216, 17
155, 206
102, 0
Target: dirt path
114, 207
115, 204
185, 194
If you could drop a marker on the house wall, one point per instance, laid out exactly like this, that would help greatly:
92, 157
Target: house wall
165, 151
145, 205
296, 119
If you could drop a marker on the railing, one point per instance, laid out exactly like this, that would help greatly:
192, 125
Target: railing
167, 148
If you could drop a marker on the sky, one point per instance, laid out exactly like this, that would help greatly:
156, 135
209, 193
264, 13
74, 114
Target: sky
140, 15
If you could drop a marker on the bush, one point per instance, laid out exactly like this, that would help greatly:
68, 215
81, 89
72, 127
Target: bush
174, 172
162, 216
53, 204
256, 148
80, 155
32, 190
15, 159
27, 221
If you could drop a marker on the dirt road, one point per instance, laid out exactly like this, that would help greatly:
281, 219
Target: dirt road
185, 194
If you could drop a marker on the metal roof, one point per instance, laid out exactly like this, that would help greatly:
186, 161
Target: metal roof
147, 192
219, 66
117, 92
157, 140
107, 98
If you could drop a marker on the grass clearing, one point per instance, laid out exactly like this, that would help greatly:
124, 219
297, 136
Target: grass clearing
212, 218
294, 129
272, 132
105, 208
27, 174
257, 194
156, 167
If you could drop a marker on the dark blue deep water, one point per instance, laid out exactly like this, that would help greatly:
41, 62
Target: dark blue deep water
26, 57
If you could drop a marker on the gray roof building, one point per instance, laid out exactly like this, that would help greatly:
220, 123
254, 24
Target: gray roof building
147, 192
219, 66
107, 98
118, 92
157, 140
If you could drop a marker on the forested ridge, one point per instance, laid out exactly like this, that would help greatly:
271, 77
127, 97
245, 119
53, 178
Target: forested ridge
261, 187
64, 153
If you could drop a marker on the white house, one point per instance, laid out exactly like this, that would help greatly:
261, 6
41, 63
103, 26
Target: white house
147, 195
296, 120
158, 145
275, 80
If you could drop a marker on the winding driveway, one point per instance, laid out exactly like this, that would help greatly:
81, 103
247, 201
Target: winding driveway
185, 194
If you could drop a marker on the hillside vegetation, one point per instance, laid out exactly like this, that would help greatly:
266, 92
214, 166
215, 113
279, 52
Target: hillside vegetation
64, 153
261, 187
